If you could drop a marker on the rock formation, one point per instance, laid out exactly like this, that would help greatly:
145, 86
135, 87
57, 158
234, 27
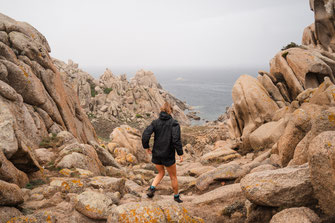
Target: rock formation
113, 100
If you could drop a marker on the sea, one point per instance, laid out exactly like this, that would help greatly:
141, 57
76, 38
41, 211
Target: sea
207, 91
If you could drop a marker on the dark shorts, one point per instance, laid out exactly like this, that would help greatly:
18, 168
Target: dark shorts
164, 162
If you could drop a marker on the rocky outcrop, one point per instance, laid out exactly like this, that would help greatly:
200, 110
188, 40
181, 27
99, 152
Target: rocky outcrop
34, 100
119, 100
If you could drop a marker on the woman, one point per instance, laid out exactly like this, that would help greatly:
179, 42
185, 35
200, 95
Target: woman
166, 142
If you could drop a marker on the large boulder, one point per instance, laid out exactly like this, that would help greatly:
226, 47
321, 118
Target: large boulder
321, 158
287, 187
252, 104
296, 215
10, 194
322, 120
298, 126
130, 138
267, 135
8, 213
95, 205
81, 156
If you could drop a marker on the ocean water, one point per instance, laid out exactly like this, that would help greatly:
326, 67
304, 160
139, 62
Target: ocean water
208, 91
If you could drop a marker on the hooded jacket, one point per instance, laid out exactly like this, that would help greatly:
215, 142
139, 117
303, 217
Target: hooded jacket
166, 137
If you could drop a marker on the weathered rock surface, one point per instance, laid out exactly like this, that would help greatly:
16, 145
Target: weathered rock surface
10, 194
163, 211
252, 104
321, 158
267, 135
95, 205
296, 215
7, 213
290, 186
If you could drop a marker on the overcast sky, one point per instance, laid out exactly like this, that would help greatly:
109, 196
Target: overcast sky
165, 33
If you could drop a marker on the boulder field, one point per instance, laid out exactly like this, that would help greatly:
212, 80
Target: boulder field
269, 158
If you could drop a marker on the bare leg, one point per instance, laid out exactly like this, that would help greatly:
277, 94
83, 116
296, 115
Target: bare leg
172, 170
159, 176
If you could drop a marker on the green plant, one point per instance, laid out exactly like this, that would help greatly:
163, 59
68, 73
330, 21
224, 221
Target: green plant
107, 90
51, 141
284, 55
35, 183
92, 86
290, 45
138, 116
91, 115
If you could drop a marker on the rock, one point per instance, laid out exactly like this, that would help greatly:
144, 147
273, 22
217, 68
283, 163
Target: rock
9, 173
105, 157
297, 215
290, 186
95, 205
323, 18
80, 156
197, 171
44, 156
263, 168
219, 155
271, 88
7, 213
66, 137
133, 188
323, 95
267, 135
298, 126
308, 67
130, 138
184, 183
163, 211
321, 121
67, 185
110, 184
229, 171
10, 194
252, 104
8, 141
321, 157
224, 194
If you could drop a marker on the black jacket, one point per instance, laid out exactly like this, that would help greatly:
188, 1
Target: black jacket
167, 137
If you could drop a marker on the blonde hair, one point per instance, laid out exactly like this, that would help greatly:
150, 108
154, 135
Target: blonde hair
167, 108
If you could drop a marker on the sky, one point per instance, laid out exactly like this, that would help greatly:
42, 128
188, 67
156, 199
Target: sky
165, 33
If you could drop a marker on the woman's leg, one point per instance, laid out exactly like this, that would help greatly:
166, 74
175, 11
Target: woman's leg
172, 170
159, 176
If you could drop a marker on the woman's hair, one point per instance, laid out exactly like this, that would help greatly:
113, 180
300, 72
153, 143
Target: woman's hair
167, 108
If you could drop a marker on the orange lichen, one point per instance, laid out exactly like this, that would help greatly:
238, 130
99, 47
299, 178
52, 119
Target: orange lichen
331, 118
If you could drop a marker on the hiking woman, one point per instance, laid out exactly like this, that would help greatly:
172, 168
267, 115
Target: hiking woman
166, 142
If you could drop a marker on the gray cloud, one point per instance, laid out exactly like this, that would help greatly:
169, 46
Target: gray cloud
157, 33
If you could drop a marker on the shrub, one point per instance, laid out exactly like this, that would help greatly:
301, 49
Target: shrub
290, 45
35, 183
92, 85
138, 116
107, 90
91, 115
51, 141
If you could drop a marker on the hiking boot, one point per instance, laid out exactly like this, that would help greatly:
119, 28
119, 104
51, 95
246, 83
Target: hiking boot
177, 198
151, 192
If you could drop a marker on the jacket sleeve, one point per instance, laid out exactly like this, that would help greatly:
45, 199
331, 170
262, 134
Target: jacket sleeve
146, 136
176, 141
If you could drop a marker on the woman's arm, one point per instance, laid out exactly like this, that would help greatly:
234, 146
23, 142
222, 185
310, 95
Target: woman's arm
146, 136
176, 138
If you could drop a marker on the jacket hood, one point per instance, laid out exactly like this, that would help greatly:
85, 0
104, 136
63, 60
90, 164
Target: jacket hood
164, 116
